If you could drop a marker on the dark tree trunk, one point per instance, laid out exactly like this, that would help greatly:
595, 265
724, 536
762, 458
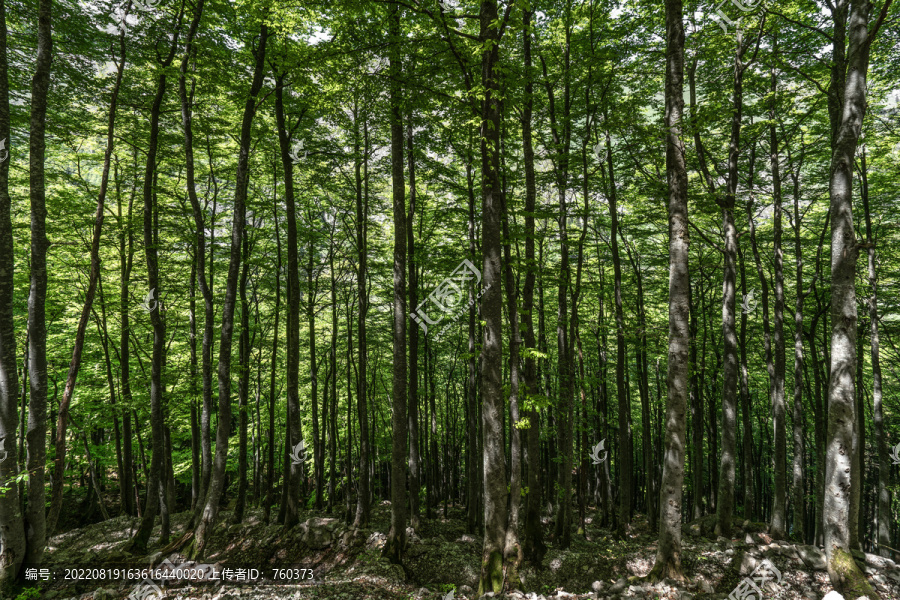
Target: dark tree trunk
362, 214
244, 349
533, 547
495, 494
293, 472
668, 555
217, 480
186, 100
270, 462
396, 542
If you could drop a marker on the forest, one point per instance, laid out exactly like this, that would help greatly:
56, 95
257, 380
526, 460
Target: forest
396, 299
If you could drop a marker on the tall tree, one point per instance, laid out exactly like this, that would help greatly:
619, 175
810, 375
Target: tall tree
839, 471
12, 535
36, 435
217, 481
668, 554
396, 541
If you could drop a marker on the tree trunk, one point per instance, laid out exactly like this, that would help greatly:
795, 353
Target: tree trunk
495, 494
533, 546
883, 502
294, 472
400, 454
270, 462
244, 348
777, 526
36, 434
668, 555
186, 101
217, 480
843, 571
12, 535
362, 214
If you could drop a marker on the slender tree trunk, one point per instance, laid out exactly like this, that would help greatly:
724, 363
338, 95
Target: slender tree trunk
12, 534
186, 101
413, 390
294, 472
777, 526
668, 554
400, 454
217, 480
883, 501
244, 349
746, 422
362, 214
533, 547
725, 495
798, 478
154, 301
270, 463
36, 433
126, 254
78, 345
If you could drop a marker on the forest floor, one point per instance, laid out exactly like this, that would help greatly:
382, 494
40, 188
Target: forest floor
347, 565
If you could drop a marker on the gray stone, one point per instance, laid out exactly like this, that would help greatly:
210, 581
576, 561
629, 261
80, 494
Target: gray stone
812, 557
706, 586
318, 532
833, 595
598, 586
618, 587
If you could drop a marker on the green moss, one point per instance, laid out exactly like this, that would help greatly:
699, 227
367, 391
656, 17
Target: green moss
846, 576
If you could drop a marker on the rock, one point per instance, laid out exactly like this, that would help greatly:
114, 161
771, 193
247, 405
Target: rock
318, 532
598, 586
809, 595
464, 589
618, 586
686, 596
812, 557
833, 595
706, 586
376, 541
467, 539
